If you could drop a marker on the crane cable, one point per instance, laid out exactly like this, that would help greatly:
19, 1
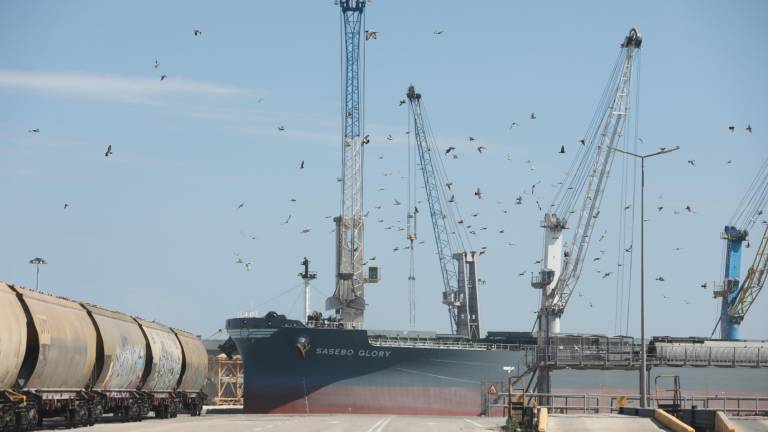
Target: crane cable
753, 202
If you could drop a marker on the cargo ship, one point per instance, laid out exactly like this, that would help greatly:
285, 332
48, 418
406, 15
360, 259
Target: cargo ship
326, 367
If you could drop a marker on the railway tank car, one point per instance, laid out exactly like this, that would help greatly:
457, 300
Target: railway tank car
696, 351
61, 358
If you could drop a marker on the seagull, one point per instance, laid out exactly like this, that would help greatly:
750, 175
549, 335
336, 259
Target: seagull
583, 141
371, 34
475, 214
690, 210
562, 149
538, 205
749, 128
397, 202
242, 204
196, 32
109, 151
627, 206
157, 64
533, 116
448, 185
704, 285
402, 102
481, 148
306, 230
452, 199
450, 149
607, 274
34, 131
692, 162
396, 248
660, 279
302, 165
513, 125
519, 200
288, 219
595, 259
478, 194
659, 208
537, 262
522, 273
438, 32
590, 304
730, 161
163, 77
629, 249
731, 128
65, 206
389, 137
281, 128
366, 140
471, 139
248, 265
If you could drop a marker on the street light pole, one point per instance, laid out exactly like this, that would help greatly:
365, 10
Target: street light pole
37, 261
643, 359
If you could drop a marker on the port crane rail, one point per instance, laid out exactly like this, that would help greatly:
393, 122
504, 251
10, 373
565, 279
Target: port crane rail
738, 298
585, 183
457, 266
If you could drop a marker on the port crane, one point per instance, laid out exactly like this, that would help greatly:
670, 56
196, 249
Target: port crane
348, 299
738, 296
584, 186
458, 266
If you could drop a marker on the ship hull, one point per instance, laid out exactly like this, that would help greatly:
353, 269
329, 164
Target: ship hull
308, 370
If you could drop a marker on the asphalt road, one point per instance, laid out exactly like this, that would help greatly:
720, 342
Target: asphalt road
750, 424
306, 423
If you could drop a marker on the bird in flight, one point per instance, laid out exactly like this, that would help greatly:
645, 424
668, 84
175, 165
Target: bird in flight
562, 149
301, 166
389, 137
109, 151
371, 34
533, 116
402, 102
241, 205
471, 139
660, 208
749, 128
513, 125
690, 210
34, 131
65, 206
583, 141
157, 64
692, 162
163, 77
450, 149
660, 279
281, 128
396, 202
288, 219
704, 285
196, 32
731, 128
522, 273
306, 230
480, 149
607, 274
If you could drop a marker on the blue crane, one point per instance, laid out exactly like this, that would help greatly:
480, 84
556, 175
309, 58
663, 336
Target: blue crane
737, 296
348, 299
457, 265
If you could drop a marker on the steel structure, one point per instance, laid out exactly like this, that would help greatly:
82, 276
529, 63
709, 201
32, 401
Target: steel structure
737, 296
458, 266
584, 186
348, 299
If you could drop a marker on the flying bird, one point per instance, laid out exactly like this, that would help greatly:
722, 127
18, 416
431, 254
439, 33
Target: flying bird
402, 102
607, 274
749, 128
522, 273
306, 230
34, 131
660, 279
281, 128
301, 166
109, 151
371, 34
196, 32
731, 128
481, 148
65, 206
660, 208
438, 32
157, 64
704, 285
288, 219
513, 125
690, 210
242, 204
471, 139
478, 194
397, 202
583, 141
389, 137
450, 149
562, 149
692, 162
163, 77
533, 116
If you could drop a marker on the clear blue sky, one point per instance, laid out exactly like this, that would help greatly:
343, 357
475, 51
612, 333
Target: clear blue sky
153, 230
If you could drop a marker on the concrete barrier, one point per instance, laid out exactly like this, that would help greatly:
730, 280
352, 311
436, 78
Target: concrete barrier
671, 422
723, 424
543, 419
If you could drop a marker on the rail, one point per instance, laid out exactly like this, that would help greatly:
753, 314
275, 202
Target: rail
610, 403
385, 341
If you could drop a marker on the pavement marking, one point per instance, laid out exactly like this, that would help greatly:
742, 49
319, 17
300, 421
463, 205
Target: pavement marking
474, 423
375, 425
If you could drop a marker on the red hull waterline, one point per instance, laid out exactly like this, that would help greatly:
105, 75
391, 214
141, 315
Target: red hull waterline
436, 401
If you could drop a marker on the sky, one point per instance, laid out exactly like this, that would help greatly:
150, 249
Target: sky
154, 230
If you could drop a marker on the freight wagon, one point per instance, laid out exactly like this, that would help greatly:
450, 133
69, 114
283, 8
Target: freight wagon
61, 358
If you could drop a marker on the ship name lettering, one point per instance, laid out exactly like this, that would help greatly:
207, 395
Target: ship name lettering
373, 353
350, 352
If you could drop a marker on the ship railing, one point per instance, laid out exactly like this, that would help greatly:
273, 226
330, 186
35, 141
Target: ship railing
333, 325
437, 344
575, 403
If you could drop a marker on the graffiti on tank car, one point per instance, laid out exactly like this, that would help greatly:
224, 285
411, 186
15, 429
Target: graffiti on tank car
167, 362
126, 364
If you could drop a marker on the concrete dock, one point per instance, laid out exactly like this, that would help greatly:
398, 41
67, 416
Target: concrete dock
604, 422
